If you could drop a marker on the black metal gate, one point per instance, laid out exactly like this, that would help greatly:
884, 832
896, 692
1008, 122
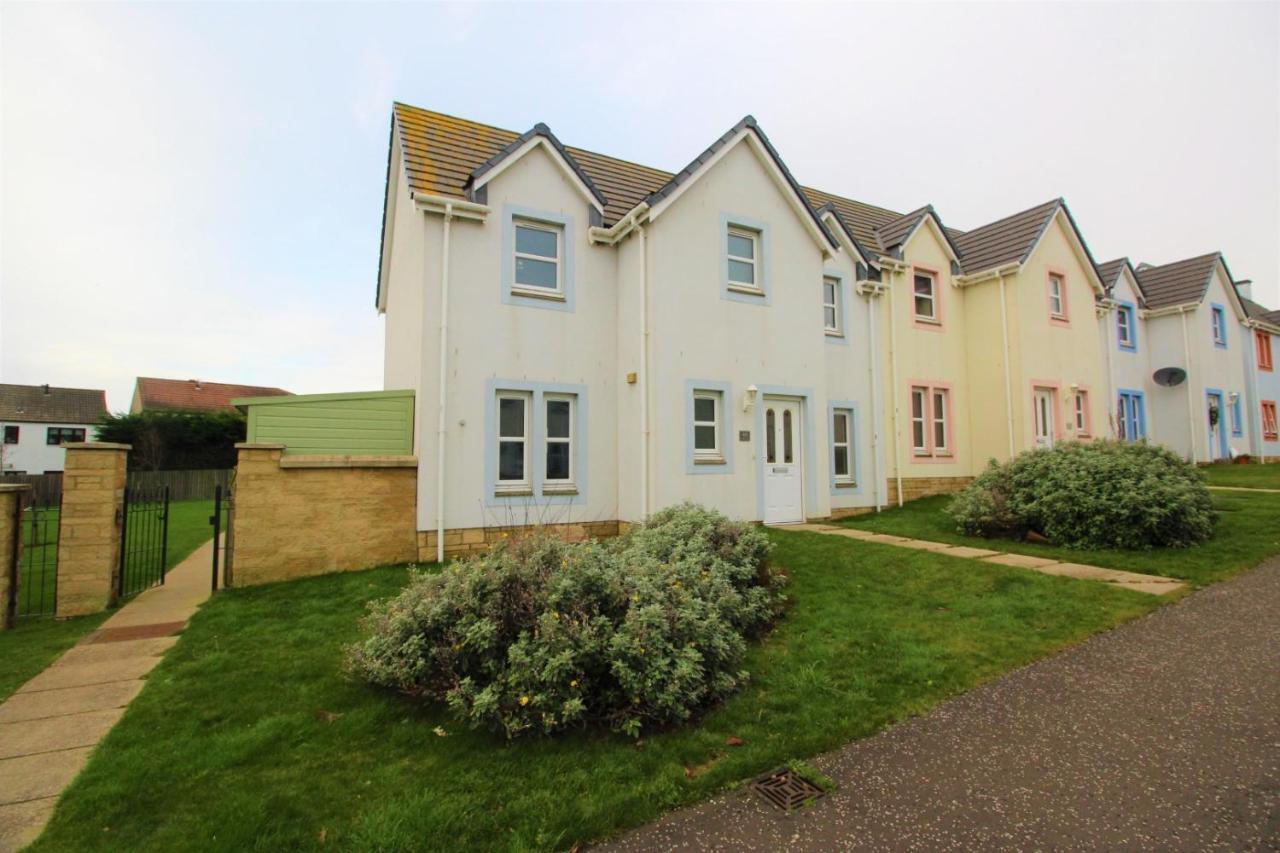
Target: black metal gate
223, 528
144, 539
33, 568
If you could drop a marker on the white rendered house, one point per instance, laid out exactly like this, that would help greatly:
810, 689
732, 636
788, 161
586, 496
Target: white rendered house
37, 420
585, 349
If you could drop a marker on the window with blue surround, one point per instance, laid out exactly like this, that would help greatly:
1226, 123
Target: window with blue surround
537, 258
535, 443
1218, 316
842, 419
708, 427
1131, 416
1127, 327
1237, 415
744, 259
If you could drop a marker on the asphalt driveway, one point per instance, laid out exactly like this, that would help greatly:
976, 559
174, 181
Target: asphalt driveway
1164, 733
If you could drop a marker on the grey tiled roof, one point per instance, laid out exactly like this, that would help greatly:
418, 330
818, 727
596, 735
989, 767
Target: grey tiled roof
1110, 275
1178, 283
48, 405
1007, 240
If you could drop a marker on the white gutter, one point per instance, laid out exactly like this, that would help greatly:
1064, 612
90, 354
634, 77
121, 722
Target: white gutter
644, 374
450, 206
613, 235
1186, 357
444, 356
1008, 366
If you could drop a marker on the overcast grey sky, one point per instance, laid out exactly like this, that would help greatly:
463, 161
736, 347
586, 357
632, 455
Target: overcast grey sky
195, 190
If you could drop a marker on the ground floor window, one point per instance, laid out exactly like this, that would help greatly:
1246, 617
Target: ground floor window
1081, 413
931, 420
10, 434
1237, 417
534, 437
1131, 418
1270, 430
513, 441
843, 469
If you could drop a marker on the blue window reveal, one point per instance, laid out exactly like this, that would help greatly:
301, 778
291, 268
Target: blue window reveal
1126, 327
1237, 419
1219, 319
1131, 416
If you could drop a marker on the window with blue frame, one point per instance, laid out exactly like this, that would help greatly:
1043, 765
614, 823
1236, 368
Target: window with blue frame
1219, 319
1131, 417
1126, 328
1237, 417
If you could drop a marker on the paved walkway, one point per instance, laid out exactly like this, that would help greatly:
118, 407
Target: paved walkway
1153, 584
1162, 734
51, 725
1245, 489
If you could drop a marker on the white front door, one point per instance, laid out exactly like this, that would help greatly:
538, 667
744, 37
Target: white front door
1044, 417
783, 462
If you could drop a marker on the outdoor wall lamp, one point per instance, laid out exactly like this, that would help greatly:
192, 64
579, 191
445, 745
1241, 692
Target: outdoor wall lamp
749, 397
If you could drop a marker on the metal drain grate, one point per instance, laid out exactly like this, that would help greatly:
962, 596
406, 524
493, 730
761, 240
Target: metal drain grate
787, 790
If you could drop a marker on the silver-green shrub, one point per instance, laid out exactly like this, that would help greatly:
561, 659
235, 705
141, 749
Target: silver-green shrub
1100, 494
540, 635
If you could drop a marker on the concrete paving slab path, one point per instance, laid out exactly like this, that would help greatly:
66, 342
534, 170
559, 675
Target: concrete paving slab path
1150, 584
1159, 735
49, 727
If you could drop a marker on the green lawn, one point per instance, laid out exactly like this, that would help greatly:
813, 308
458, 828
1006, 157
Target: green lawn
248, 736
37, 641
1250, 476
1248, 532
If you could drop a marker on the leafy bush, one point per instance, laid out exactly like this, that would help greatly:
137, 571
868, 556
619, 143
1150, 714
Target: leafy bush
1101, 494
541, 634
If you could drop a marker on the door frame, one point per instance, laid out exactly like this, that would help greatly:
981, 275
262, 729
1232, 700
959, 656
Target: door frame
1223, 452
808, 490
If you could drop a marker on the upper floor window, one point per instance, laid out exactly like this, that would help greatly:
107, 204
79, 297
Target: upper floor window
1218, 317
1264, 351
1126, 334
743, 248
930, 421
1057, 296
831, 305
538, 257
63, 435
10, 434
926, 296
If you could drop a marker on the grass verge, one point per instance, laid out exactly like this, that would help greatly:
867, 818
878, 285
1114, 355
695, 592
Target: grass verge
258, 741
1247, 533
1247, 476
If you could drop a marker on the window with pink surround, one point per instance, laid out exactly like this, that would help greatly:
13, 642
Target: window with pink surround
1057, 296
931, 421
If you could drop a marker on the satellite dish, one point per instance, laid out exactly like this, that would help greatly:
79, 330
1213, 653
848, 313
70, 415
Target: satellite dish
1169, 376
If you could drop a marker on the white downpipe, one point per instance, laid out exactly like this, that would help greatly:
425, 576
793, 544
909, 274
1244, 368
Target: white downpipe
1008, 367
1251, 353
444, 373
644, 375
872, 302
1191, 409
893, 387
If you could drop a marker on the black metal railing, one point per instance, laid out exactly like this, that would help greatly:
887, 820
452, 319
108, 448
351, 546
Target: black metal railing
144, 539
33, 588
223, 541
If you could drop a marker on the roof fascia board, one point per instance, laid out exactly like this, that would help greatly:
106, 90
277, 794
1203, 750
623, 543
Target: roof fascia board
766, 158
844, 238
388, 202
487, 172
1233, 294
459, 208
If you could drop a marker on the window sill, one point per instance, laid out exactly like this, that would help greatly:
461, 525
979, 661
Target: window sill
928, 321
559, 489
837, 335
534, 293
744, 289
846, 484
513, 491
708, 460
